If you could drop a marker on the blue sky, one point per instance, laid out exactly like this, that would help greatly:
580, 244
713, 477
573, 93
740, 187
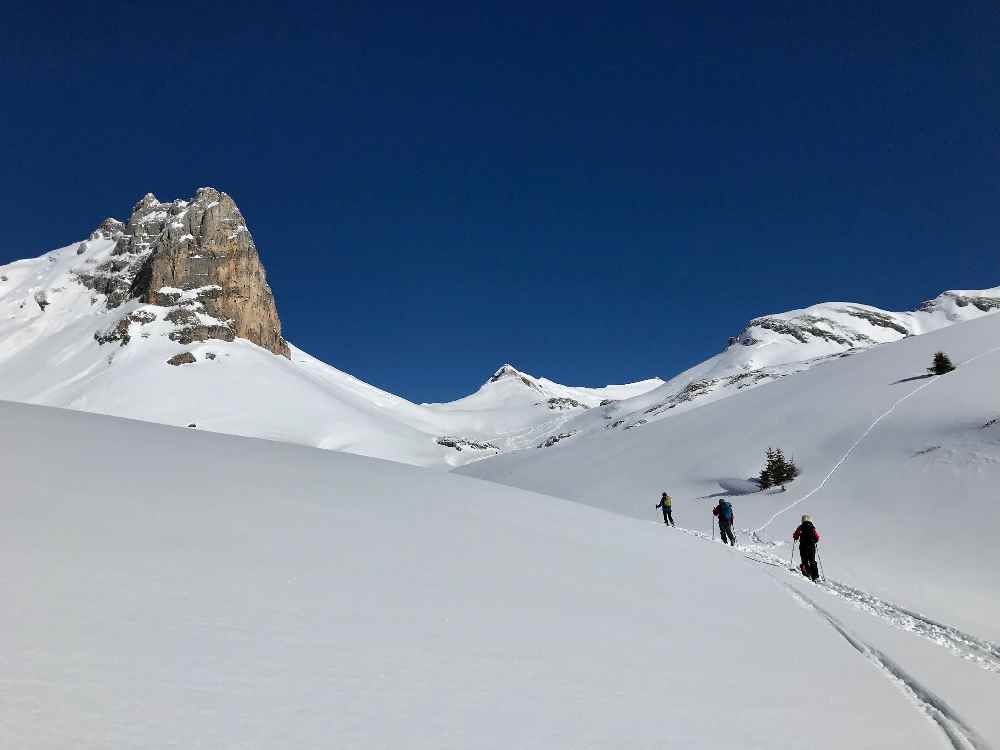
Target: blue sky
594, 192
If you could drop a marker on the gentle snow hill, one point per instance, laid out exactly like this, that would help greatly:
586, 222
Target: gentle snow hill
506, 409
52, 327
167, 587
907, 515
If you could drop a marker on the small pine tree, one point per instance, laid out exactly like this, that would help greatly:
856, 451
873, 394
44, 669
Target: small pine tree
778, 470
788, 470
942, 364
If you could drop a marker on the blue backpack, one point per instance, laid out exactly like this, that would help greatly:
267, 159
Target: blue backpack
725, 510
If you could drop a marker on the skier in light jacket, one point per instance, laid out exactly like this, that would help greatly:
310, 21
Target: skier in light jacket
667, 504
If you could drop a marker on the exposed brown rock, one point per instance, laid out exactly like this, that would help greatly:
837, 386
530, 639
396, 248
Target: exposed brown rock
190, 334
197, 254
120, 331
184, 358
208, 245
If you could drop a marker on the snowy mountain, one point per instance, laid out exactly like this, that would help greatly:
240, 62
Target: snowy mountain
898, 467
775, 346
280, 596
899, 472
168, 317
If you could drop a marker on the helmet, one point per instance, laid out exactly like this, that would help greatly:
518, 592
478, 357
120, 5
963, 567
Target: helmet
807, 518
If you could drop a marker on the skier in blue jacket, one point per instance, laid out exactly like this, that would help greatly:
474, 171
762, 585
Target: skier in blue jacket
724, 512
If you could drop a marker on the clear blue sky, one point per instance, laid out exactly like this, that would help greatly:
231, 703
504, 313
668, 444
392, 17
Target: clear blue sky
594, 192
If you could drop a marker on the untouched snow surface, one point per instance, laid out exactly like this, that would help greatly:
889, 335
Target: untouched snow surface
899, 470
173, 588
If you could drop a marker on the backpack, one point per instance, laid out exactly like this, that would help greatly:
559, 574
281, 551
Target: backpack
725, 510
808, 535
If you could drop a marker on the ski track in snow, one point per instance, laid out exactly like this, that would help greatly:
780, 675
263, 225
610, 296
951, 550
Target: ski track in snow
865, 434
959, 734
983, 653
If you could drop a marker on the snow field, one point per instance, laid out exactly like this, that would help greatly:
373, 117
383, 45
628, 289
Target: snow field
176, 588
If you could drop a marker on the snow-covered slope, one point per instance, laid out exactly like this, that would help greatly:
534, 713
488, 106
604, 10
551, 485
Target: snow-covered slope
76, 333
899, 469
514, 410
773, 347
172, 588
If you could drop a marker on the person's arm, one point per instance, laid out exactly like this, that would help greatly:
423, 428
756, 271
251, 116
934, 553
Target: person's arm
715, 510
798, 532
817, 536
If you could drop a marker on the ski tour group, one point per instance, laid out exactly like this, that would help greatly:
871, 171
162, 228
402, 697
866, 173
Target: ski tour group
805, 534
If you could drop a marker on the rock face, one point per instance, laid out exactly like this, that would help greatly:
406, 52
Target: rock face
184, 358
509, 371
195, 256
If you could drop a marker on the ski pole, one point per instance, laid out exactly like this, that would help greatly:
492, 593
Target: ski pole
791, 559
712, 523
819, 559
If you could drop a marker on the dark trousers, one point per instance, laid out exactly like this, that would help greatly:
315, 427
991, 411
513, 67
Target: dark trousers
726, 529
809, 567
668, 517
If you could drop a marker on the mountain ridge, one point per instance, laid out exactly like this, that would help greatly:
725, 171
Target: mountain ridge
175, 302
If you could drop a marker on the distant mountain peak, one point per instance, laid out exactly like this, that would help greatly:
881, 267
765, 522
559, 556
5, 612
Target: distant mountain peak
509, 371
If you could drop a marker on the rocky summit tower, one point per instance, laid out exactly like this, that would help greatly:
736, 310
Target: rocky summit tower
197, 259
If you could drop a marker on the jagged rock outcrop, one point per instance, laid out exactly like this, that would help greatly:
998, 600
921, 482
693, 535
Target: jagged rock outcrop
553, 439
449, 441
805, 328
982, 302
184, 358
560, 403
198, 257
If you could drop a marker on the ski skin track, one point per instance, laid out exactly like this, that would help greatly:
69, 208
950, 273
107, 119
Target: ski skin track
865, 434
959, 734
985, 654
